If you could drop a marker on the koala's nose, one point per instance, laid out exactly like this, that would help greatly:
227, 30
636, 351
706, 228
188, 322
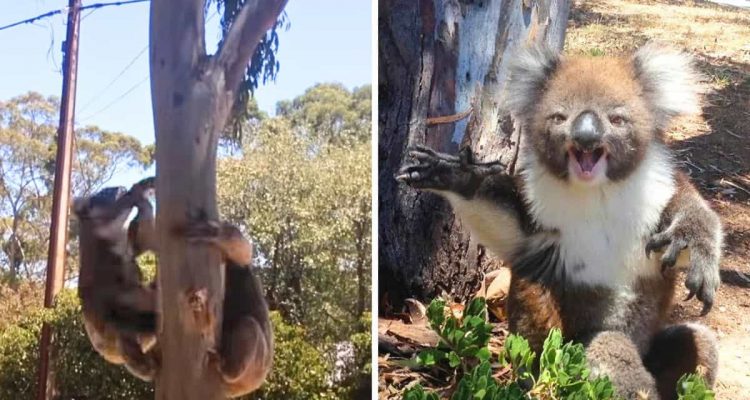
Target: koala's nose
587, 130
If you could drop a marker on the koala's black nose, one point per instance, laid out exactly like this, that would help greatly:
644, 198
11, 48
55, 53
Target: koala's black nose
587, 130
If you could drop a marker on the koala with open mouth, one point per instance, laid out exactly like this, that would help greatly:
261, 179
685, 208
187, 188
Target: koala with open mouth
597, 195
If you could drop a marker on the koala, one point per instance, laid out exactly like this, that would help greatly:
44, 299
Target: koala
245, 352
598, 215
119, 309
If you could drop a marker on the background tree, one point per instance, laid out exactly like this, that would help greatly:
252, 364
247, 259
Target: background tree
445, 58
330, 113
28, 127
304, 198
315, 205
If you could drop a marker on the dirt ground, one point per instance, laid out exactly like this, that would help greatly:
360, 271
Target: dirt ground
714, 148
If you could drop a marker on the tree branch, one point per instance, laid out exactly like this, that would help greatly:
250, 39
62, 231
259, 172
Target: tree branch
255, 18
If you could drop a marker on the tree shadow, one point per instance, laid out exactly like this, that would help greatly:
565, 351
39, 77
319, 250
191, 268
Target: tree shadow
718, 161
735, 278
718, 158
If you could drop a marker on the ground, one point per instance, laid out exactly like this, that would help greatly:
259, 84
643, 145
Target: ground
714, 149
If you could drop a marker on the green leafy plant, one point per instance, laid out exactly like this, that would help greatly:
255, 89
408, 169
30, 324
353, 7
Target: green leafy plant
693, 387
563, 372
462, 341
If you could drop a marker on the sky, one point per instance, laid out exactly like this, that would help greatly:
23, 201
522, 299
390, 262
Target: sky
328, 41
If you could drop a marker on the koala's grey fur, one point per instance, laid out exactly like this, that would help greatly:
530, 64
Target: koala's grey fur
595, 196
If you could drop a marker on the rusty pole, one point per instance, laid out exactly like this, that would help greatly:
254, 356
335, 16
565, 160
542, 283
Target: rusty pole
61, 194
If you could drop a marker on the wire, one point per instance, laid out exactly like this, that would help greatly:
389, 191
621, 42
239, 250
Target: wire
60, 11
113, 102
115, 79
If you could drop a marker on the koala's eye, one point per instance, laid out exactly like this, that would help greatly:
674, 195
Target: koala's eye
557, 118
617, 120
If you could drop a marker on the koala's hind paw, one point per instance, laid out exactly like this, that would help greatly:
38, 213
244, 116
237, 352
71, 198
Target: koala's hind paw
439, 171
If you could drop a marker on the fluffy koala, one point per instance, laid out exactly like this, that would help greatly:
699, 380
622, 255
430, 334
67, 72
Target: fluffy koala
598, 192
245, 352
119, 310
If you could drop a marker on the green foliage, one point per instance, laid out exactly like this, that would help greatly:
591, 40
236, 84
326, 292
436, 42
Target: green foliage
330, 113
417, 392
305, 202
461, 341
693, 387
263, 67
301, 369
80, 371
563, 373
284, 190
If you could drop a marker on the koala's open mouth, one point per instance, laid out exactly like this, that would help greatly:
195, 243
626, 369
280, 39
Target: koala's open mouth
586, 164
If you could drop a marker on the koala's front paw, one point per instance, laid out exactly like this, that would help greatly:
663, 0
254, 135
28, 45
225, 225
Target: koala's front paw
704, 246
144, 188
226, 237
439, 171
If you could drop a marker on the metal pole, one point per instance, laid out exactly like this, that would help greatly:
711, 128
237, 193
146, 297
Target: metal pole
61, 194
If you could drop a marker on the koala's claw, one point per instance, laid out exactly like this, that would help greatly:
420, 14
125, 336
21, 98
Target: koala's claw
433, 170
703, 287
429, 171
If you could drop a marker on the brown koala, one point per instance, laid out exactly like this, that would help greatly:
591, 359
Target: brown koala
119, 309
598, 192
245, 352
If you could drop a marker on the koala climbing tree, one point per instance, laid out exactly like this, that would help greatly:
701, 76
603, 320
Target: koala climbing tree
449, 59
193, 94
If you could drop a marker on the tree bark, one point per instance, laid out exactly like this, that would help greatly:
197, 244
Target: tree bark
192, 96
441, 58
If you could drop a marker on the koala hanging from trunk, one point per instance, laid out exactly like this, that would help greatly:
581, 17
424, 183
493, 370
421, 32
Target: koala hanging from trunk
245, 352
119, 309
597, 195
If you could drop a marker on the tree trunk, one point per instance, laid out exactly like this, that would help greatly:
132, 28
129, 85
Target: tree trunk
443, 58
192, 96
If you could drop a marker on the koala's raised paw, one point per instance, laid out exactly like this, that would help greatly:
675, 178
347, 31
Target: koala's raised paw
439, 171
703, 272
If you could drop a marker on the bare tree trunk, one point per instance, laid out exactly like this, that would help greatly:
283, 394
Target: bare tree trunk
192, 95
442, 58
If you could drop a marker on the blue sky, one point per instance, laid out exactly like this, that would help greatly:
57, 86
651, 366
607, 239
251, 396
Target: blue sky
329, 41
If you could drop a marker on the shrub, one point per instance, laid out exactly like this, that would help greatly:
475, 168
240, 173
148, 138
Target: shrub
301, 370
563, 373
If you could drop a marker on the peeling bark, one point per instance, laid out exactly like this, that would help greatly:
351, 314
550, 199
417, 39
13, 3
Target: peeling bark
440, 58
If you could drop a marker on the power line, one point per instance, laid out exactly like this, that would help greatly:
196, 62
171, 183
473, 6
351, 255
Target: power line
115, 79
60, 11
119, 75
113, 102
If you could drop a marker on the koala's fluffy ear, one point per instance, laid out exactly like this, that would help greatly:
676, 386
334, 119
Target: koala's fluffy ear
530, 69
670, 82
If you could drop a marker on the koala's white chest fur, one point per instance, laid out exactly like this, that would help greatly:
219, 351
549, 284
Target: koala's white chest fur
604, 229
